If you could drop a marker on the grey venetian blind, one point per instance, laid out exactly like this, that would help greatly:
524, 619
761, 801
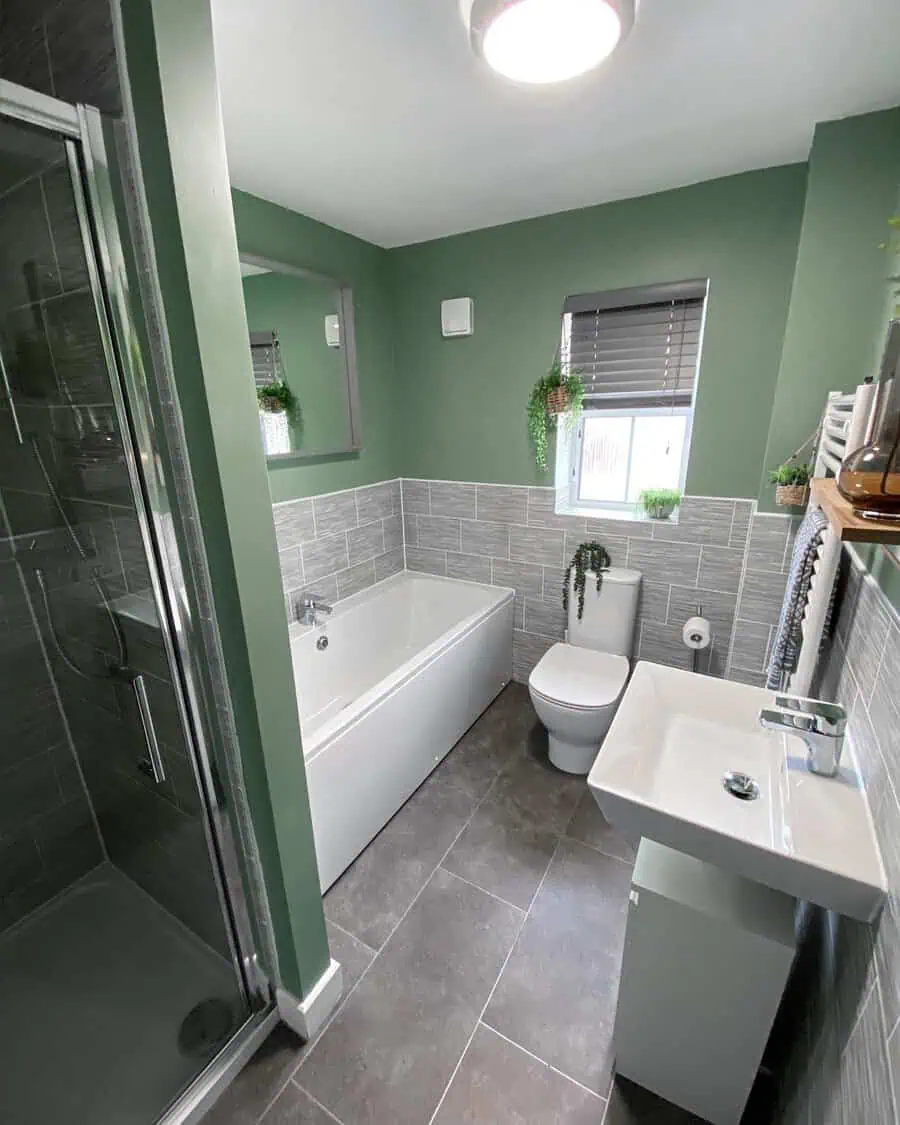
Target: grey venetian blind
637, 348
266, 353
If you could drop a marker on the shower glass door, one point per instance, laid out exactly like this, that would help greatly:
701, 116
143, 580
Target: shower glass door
120, 978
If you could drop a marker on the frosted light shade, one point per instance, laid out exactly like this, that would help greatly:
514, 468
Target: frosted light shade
543, 41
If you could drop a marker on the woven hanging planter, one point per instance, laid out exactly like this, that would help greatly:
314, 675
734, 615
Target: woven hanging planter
792, 495
558, 401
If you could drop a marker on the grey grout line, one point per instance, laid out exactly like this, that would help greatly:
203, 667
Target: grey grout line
543, 1062
484, 891
347, 933
315, 1101
490, 997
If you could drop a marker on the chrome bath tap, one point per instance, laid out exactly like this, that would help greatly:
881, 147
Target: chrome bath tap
308, 607
821, 726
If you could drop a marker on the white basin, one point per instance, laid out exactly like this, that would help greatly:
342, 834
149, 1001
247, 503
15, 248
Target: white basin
659, 775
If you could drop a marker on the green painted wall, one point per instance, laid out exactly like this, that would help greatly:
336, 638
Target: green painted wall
169, 51
462, 403
274, 232
295, 308
835, 326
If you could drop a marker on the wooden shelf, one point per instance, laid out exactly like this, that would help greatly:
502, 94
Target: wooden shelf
850, 527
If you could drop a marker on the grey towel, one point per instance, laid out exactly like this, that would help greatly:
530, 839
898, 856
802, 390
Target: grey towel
788, 637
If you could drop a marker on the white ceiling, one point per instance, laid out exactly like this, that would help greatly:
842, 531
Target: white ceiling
375, 117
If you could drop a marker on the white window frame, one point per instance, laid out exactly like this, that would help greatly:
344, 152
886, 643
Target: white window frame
576, 453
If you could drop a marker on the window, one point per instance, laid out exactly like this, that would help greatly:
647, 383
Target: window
637, 352
265, 350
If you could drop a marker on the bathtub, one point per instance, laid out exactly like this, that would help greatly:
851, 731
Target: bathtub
409, 665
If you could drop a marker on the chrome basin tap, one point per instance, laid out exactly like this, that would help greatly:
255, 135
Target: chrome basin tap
821, 726
308, 607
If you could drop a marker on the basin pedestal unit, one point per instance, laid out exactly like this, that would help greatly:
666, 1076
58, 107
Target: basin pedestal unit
735, 830
707, 957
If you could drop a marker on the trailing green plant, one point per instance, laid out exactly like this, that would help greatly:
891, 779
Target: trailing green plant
791, 472
541, 422
659, 503
589, 557
280, 399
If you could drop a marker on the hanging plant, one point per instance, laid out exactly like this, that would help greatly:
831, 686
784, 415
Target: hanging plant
278, 398
791, 480
551, 396
589, 557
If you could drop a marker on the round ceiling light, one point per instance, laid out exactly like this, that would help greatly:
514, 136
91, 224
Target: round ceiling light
544, 41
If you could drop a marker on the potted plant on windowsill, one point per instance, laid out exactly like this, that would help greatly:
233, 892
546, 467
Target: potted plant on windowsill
278, 411
791, 480
554, 394
659, 503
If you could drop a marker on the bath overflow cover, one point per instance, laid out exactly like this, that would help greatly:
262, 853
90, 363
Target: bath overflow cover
741, 785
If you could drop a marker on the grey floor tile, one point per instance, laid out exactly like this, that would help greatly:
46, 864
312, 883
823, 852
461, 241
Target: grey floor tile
499, 1084
487, 746
535, 792
390, 1052
260, 1080
557, 994
294, 1106
501, 854
589, 826
371, 896
354, 957
630, 1104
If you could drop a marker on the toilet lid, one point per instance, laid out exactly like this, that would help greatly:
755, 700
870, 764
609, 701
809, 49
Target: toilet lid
579, 677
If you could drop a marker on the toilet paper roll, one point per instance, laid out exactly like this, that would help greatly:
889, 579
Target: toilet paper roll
696, 632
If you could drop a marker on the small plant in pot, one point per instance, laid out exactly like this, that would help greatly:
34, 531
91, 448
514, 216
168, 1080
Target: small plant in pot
278, 398
791, 480
659, 503
589, 558
552, 395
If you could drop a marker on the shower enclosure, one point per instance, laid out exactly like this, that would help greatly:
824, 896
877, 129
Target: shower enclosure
126, 953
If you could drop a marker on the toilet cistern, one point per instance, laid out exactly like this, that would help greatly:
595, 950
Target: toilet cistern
821, 725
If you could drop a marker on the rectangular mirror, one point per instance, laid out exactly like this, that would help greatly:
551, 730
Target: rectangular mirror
303, 343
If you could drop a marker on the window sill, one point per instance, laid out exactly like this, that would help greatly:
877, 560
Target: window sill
619, 514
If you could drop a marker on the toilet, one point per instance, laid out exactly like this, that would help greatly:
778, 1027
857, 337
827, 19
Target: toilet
575, 687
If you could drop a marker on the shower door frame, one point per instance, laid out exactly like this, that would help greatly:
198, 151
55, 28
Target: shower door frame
81, 129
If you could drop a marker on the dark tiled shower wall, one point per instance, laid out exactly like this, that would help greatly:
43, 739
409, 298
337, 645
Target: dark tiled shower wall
844, 1007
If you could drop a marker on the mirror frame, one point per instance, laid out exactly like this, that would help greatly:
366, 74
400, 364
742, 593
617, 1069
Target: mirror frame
351, 369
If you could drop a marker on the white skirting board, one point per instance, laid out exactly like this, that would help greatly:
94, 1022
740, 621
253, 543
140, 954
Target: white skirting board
307, 1017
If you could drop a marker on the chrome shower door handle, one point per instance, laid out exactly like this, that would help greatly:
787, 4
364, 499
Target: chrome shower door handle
139, 688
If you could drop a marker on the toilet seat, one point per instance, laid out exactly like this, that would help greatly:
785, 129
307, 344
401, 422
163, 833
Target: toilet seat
579, 679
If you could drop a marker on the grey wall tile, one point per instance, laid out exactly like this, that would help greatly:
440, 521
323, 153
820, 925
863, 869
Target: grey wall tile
740, 526
751, 645
324, 556
356, 578
536, 545
717, 607
393, 532
365, 542
865, 1082
630, 528
484, 538
415, 496
545, 617
663, 645
700, 520
450, 499
411, 530
654, 601
554, 580
866, 642
768, 540
291, 569
375, 502
542, 511
665, 562
761, 597
334, 512
528, 648
388, 564
426, 562
472, 568
521, 577
502, 503
438, 533
721, 568
743, 676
